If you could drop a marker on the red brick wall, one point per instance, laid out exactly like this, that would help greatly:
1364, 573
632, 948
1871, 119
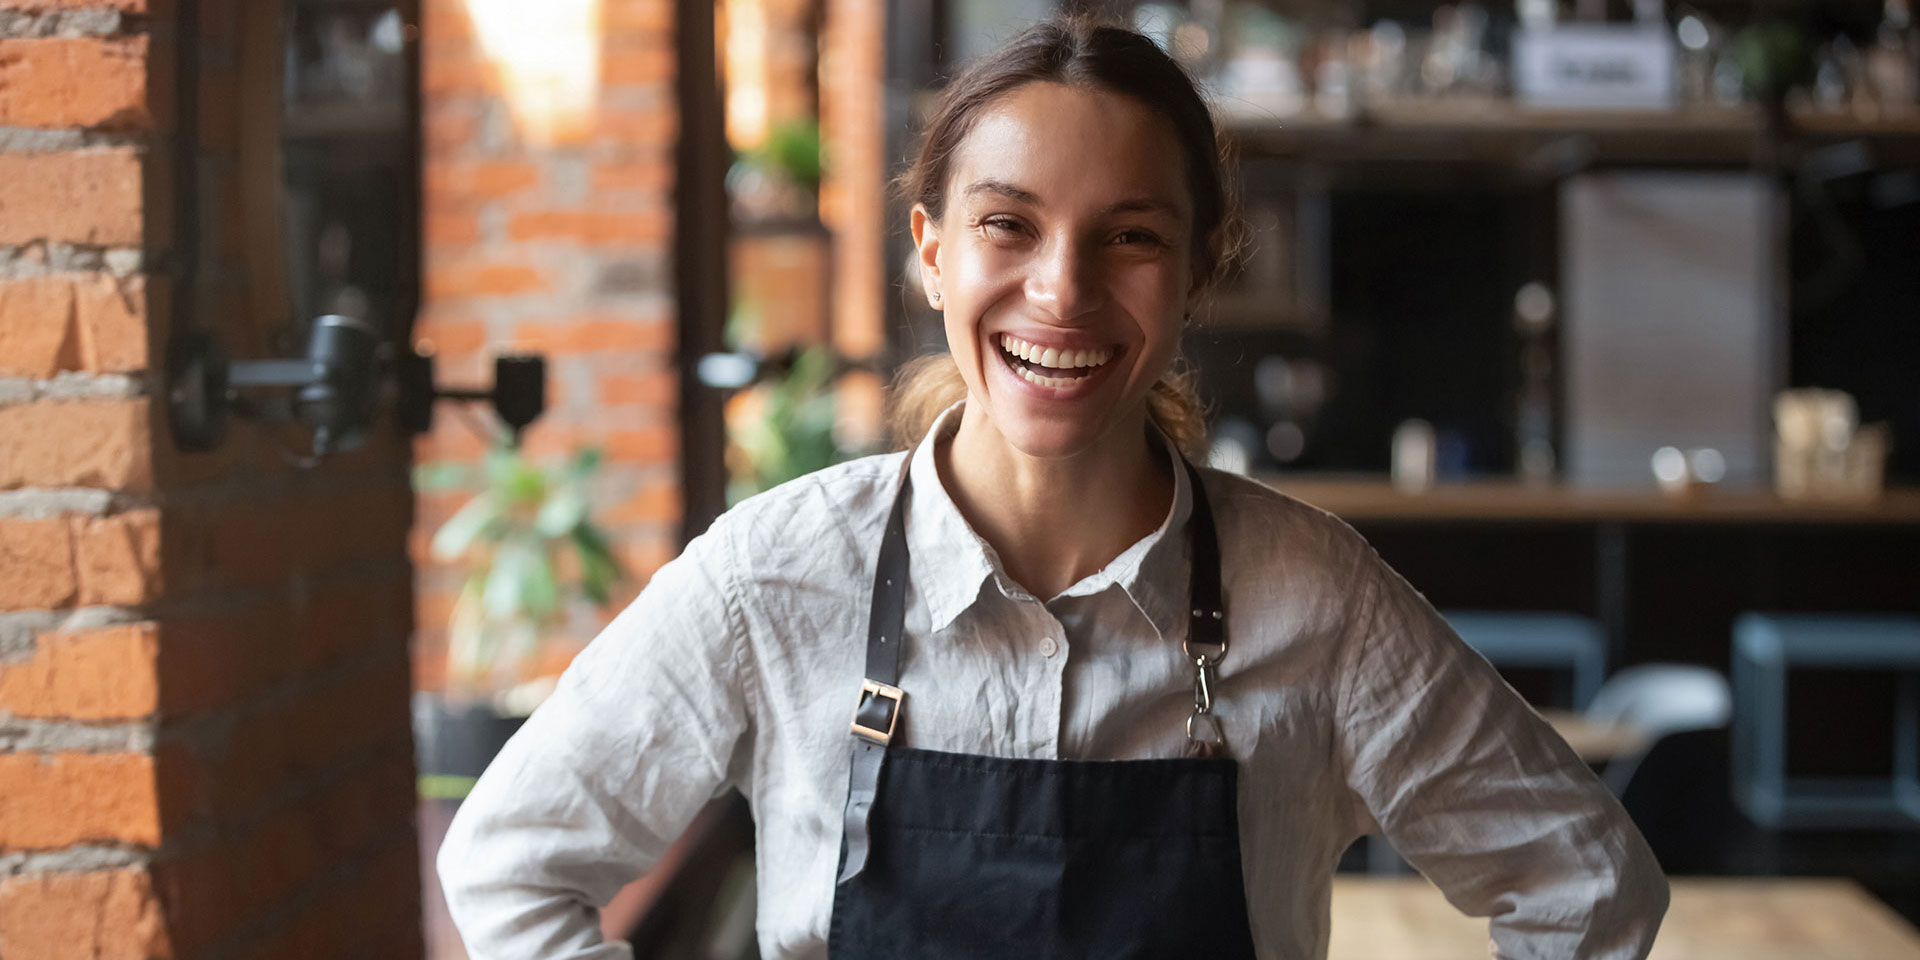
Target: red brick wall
204, 737
853, 202
565, 249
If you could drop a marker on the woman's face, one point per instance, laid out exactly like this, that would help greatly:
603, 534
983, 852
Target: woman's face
1063, 263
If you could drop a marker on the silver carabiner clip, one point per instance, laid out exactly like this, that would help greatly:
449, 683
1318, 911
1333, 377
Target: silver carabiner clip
1202, 689
1204, 736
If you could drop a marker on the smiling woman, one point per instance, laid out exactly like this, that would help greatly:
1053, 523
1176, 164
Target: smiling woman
1081, 770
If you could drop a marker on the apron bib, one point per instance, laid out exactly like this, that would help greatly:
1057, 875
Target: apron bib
950, 856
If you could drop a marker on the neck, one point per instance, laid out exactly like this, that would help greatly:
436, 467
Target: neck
1055, 521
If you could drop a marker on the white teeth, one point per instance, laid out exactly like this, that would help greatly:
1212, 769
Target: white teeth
1052, 356
1055, 382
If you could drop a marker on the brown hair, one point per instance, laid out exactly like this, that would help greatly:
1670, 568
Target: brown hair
1084, 50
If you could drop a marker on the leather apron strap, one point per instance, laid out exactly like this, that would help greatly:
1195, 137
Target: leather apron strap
877, 714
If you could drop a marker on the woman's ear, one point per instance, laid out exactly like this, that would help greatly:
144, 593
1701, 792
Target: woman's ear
926, 243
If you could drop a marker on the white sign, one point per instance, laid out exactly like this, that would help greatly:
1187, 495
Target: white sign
1621, 67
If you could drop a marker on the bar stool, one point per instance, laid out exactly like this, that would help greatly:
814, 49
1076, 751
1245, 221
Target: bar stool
1536, 640
1765, 647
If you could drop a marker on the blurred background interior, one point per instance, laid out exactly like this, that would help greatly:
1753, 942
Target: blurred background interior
359, 359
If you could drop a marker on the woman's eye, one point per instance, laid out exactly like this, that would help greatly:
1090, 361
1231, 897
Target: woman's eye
1001, 223
1137, 236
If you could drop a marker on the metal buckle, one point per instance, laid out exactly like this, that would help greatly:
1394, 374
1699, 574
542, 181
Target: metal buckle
1209, 732
1187, 645
875, 689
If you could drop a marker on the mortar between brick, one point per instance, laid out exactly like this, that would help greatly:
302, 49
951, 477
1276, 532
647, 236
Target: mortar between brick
43, 504
39, 258
80, 859
36, 140
18, 629
70, 385
18, 734
94, 22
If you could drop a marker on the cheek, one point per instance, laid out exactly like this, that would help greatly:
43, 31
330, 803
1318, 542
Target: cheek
974, 279
978, 272
1155, 296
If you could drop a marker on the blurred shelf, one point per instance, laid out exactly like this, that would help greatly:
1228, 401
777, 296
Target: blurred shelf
331, 121
1365, 499
1237, 311
798, 226
1501, 132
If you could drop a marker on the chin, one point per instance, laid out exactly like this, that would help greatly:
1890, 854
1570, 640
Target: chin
1052, 418
1046, 438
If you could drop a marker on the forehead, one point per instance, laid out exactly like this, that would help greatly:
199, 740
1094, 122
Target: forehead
1075, 148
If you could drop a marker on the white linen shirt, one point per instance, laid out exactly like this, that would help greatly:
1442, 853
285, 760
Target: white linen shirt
1349, 704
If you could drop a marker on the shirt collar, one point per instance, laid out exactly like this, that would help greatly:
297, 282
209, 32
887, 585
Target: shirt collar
955, 562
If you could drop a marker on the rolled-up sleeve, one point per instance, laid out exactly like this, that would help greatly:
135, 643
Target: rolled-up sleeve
647, 725
1477, 791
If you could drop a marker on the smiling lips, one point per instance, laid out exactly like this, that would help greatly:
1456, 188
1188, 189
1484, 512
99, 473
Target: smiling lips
1051, 366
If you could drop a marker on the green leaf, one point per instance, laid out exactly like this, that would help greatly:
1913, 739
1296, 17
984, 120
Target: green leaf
506, 591
562, 512
586, 462
473, 522
512, 477
599, 568
525, 484
445, 786
541, 592
443, 475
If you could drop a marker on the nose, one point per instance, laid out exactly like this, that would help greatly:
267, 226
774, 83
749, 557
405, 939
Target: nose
1065, 281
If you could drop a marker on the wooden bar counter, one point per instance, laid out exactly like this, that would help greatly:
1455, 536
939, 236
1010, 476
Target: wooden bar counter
1406, 918
1365, 499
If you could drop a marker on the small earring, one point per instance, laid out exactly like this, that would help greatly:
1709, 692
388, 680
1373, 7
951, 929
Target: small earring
936, 296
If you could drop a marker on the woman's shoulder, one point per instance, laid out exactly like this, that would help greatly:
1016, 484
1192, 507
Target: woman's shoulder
849, 496
1273, 525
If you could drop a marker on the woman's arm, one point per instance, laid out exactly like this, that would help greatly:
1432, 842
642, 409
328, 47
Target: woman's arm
648, 724
1476, 791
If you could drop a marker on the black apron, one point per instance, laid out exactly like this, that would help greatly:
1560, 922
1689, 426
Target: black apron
949, 856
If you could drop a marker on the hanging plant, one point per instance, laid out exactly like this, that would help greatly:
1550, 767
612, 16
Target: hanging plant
530, 550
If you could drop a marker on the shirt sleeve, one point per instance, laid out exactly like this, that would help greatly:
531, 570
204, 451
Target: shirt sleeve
646, 726
1475, 790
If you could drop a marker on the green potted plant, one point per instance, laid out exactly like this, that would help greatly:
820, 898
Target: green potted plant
783, 427
778, 180
529, 551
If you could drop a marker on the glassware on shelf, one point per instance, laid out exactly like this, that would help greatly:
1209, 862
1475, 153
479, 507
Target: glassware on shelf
1698, 39
1821, 452
1893, 62
1381, 53
1260, 71
1415, 456
1533, 312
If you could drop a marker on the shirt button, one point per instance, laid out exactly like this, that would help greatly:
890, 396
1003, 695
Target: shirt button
1049, 646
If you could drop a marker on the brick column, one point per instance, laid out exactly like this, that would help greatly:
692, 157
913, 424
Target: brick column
853, 201
204, 739
565, 249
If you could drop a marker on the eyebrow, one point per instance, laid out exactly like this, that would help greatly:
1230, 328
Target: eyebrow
1005, 189
1023, 195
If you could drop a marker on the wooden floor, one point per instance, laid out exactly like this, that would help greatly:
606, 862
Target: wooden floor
1405, 918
